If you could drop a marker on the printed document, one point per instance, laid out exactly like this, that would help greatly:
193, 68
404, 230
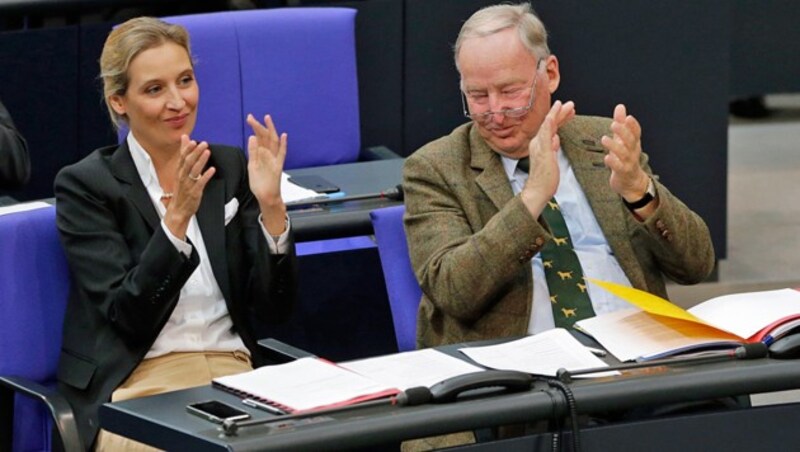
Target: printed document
540, 354
410, 369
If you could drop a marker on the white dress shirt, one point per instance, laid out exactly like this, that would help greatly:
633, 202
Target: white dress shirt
591, 246
200, 320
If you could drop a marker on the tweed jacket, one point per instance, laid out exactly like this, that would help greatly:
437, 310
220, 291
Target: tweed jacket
471, 240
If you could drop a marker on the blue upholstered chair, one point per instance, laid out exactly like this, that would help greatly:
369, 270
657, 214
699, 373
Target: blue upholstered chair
297, 64
34, 287
401, 284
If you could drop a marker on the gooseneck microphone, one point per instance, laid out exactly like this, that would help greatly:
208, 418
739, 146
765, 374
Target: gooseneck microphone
418, 395
394, 193
755, 350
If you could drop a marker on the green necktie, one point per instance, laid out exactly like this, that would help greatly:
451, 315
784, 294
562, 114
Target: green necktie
562, 269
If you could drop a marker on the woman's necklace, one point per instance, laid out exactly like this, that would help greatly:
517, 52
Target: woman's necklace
167, 195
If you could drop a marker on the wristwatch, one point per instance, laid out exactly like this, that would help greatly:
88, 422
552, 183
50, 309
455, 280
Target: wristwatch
649, 195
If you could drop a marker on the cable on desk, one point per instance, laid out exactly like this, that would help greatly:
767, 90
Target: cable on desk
572, 411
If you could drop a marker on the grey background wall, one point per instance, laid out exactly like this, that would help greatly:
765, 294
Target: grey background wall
765, 42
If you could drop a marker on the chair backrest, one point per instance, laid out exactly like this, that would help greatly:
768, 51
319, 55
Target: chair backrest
401, 284
34, 288
297, 64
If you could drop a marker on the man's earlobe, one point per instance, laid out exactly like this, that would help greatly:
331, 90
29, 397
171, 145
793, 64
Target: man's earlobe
553, 74
555, 80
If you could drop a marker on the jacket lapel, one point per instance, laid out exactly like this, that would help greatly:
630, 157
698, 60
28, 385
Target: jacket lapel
210, 215
492, 179
211, 219
123, 168
586, 154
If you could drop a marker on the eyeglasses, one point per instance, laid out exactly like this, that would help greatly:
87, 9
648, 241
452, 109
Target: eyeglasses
517, 112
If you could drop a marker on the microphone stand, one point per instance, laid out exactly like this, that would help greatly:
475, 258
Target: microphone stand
747, 351
564, 377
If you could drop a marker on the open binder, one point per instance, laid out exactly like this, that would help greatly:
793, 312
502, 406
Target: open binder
305, 384
659, 328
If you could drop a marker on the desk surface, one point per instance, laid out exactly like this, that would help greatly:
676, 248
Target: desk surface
350, 218
162, 421
339, 219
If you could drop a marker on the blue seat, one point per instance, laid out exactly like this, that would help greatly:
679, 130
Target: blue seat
297, 64
401, 284
34, 288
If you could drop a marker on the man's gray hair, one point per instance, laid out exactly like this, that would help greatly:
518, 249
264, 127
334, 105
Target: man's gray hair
494, 19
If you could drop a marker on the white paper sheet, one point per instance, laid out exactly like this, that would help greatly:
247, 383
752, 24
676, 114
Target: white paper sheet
291, 192
304, 384
745, 314
540, 354
22, 207
632, 334
410, 369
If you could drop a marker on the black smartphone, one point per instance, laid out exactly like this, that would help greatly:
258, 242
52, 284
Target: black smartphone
216, 411
313, 182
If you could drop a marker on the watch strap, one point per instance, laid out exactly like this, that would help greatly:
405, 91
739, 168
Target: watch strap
649, 195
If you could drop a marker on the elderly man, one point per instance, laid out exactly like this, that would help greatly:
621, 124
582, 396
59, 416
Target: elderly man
509, 213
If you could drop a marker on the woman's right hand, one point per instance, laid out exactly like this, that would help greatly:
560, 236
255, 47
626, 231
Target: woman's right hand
191, 180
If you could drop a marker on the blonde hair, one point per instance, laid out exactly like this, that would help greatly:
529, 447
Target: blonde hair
123, 44
494, 19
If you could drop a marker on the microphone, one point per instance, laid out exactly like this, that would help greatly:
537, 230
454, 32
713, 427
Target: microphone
418, 395
394, 193
755, 350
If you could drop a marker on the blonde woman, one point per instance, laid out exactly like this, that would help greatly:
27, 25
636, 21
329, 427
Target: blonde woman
174, 244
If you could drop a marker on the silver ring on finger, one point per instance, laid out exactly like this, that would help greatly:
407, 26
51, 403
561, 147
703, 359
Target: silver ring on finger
194, 178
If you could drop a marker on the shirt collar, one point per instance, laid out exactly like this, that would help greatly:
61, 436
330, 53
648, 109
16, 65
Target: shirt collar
510, 165
144, 166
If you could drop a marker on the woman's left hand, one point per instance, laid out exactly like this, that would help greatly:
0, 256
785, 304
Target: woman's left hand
265, 165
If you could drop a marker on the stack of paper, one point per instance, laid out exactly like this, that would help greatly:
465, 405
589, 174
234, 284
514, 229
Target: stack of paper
304, 384
311, 383
659, 328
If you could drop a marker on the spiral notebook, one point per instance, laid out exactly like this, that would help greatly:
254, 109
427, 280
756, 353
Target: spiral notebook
305, 384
